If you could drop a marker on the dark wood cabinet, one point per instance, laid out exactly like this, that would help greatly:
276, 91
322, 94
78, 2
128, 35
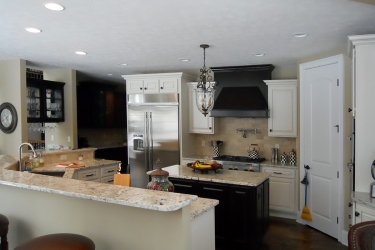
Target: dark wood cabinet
242, 216
100, 107
45, 101
116, 154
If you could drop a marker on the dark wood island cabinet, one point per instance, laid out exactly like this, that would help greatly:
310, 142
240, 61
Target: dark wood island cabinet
242, 216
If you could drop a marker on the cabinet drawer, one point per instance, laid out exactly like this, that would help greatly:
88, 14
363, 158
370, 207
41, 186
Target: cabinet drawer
89, 174
279, 172
109, 179
109, 170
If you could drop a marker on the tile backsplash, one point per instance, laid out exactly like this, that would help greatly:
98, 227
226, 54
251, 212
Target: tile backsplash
235, 144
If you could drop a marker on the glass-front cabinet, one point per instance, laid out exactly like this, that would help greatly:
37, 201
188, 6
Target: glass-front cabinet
45, 101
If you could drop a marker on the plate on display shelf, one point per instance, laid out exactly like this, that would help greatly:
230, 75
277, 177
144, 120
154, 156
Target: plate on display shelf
204, 168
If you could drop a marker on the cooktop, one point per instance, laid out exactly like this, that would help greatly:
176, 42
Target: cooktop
237, 158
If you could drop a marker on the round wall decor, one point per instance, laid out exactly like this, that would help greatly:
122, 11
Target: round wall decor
8, 118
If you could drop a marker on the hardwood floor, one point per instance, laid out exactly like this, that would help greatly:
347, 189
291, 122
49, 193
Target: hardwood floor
289, 234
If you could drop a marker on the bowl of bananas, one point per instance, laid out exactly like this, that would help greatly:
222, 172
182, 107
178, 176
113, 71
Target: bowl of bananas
205, 166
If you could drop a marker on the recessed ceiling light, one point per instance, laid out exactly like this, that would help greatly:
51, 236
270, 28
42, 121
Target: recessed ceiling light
54, 6
33, 30
123, 64
300, 35
259, 54
185, 60
109, 74
81, 53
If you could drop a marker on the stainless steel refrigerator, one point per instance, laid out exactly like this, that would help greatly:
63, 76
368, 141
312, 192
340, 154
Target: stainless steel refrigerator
153, 129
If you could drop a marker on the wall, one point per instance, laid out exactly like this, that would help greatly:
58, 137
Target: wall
235, 144
12, 88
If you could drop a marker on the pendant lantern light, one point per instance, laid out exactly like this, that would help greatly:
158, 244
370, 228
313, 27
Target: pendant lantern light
205, 91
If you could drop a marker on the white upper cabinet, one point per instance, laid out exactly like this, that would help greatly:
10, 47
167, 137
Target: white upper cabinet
198, 123
282, 104
152, 83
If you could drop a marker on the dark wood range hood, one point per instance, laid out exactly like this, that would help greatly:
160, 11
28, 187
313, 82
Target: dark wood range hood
241, 92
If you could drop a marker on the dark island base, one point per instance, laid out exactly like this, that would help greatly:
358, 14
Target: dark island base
242, 216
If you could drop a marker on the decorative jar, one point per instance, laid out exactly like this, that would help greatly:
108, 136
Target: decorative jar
159, 180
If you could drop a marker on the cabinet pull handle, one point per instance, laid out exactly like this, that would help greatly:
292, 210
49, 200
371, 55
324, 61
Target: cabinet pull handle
161, 87
270, 130
110, 171
213, 189
110, 181
277, 173
356, 214
240, 192
89, 175
182, 185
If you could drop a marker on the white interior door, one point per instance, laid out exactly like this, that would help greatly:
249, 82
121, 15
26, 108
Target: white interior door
320, 147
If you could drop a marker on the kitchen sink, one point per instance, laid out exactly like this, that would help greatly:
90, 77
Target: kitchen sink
50, 173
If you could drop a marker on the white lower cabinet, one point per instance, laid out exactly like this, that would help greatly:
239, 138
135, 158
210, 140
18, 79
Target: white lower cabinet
282, 189
198, 123
363, 213
99, 174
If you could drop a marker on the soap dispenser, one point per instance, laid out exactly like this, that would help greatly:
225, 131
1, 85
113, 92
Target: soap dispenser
41, 160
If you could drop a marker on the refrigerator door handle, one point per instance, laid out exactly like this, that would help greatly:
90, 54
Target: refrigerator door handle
151, 151
146, 145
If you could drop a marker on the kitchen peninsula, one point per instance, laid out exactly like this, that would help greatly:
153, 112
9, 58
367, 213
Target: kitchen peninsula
114, 217
242, 216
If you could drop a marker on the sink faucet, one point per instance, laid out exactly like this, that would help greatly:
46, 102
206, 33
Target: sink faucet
19, 154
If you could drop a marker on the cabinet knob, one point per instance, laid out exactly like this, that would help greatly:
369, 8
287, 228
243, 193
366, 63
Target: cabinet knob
161, 87
140, 88
356, 214
350, 110
145, 88
210, 128
270, 130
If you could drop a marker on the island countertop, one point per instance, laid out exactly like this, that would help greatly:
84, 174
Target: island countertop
129, 196
220, 176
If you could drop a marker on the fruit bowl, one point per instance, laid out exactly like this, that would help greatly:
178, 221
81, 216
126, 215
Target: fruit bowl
204, 168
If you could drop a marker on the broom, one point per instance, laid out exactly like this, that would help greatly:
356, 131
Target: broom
305, 211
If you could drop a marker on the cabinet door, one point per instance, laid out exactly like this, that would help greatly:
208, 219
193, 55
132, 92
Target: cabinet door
363, 213
218, 192
282, 103
84, 107
151, 86
120, 110
34, 105
168, 85
185, 186
282, 196
198, 123
134, 86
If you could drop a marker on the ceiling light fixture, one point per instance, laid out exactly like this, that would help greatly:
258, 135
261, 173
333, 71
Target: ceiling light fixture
54, 6
109, 74
81, 53
205, 88
300, 35
185, 60
33, 30
259, 54
123, 64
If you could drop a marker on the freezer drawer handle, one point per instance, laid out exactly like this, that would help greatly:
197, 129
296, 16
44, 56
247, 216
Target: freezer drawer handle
213, 189
110, 171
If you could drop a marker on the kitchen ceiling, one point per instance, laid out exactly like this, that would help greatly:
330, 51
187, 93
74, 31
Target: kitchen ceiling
151, 36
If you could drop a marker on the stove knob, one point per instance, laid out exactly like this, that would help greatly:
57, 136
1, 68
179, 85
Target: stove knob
245, 169
230, 168
235, 168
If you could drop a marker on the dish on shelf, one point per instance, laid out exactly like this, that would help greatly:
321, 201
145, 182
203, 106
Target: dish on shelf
204, 168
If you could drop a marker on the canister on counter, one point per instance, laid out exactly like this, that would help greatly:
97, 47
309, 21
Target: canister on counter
283, 159
292, 158
274, 155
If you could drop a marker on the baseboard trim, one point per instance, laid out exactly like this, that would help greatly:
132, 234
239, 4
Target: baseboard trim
283, 215
344, 237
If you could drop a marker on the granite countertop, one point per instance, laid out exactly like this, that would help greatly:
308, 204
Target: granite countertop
221, 176
201, 206
128, 196
363, 198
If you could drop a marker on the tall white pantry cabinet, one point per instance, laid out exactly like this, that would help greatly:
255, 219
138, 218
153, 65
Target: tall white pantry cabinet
362, 52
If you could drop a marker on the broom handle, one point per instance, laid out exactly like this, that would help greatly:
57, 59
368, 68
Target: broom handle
306, 190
